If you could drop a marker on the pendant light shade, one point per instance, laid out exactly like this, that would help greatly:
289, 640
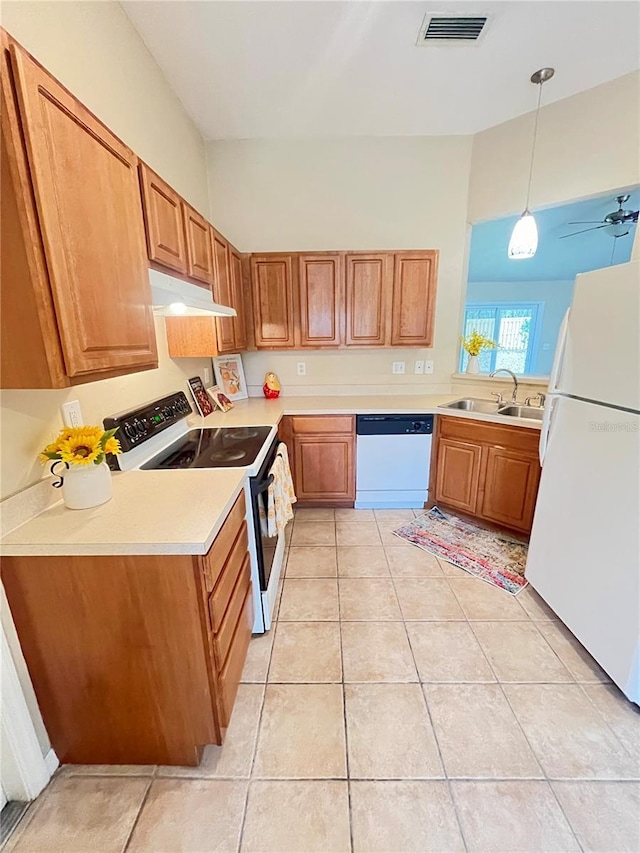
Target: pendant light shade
524, 237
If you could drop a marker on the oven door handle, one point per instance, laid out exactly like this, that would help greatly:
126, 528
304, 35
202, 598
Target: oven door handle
259, 488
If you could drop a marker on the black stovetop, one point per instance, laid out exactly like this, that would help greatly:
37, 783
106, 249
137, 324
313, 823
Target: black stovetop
225, 447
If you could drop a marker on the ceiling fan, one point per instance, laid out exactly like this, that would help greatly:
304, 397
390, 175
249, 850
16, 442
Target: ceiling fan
620, 221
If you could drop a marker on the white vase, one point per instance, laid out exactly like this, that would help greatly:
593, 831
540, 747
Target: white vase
473, 365
85, 486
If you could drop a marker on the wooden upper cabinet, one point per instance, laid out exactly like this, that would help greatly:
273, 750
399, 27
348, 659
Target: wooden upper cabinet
199, 252
236, 272
368, 288
162, 206
320, 289
414, 298
272, 283
87, 195
222, 292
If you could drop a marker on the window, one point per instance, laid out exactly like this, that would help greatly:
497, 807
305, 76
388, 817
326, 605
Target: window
513, 326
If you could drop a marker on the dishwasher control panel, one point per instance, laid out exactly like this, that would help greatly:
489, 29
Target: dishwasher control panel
394, 424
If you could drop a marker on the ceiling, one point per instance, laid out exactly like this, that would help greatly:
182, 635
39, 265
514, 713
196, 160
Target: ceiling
257, 70
555, 260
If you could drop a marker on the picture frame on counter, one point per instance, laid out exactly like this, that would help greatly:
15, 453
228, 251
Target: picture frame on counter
229, 374
219, 398
203, 403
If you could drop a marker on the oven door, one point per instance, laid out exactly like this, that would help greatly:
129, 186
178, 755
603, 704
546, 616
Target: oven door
265, 545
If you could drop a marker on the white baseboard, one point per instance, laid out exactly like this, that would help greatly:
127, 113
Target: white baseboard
51, 762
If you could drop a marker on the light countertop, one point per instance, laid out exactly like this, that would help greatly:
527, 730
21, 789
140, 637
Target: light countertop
181, 511
151, 512
257, 410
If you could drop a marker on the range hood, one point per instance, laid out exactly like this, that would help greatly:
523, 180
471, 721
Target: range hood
173, 297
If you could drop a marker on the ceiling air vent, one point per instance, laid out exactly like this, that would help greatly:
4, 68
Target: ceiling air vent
445, 29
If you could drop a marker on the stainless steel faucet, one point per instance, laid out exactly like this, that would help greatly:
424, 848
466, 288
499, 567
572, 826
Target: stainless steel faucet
514, 396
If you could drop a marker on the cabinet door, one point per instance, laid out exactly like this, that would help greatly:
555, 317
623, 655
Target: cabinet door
510, 487
414, 298
321, 304
272, 285
163, 221
199, 254
222, 292
368, 288
458, 474
238, 300
85, 182
324, 467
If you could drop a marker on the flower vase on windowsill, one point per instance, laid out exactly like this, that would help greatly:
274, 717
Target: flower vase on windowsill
473, 345
473, 364
83, 475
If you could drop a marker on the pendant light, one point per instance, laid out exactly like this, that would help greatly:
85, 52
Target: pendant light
524, 237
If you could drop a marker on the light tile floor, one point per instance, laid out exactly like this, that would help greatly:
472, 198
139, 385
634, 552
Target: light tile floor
397, 705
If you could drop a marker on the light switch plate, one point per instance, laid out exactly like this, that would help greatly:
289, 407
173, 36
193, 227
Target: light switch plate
71, 413
398, 367
302, 368
418, 366
207, 377
428, 367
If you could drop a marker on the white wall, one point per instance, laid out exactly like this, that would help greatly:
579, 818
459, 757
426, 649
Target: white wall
93, 49
556, 298
358, 193
587, 145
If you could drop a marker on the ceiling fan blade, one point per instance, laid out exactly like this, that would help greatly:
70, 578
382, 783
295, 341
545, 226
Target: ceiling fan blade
584, 231
588, 222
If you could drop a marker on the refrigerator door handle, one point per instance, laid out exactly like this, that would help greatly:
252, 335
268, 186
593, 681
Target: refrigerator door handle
546, 427
559, 354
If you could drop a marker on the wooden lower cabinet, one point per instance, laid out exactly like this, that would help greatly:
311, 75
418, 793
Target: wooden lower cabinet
126, 661
487, 470
322, 450
457, 478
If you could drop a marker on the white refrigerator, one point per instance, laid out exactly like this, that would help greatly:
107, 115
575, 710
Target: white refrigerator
584, 553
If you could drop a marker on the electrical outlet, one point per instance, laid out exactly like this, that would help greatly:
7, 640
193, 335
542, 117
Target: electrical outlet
418, 367
398, 367
302, 368
428, 367
207, 377
71, 413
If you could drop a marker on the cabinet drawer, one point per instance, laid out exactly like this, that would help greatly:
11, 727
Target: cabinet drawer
221, 595
322, 423
232, 670
479, 432
222, 640
219, 552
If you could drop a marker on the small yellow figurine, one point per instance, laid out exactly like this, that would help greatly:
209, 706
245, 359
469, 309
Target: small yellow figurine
271, 387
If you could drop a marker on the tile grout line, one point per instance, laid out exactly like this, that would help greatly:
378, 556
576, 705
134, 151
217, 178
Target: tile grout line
344, 710
429, 718
262, 704
143, 802
533, 752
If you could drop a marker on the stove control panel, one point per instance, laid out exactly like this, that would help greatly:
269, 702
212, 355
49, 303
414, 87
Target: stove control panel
138, 425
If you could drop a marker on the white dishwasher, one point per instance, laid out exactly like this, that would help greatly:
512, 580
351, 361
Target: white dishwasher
393, 455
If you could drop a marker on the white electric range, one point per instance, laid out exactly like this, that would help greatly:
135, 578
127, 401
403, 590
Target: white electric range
157, 436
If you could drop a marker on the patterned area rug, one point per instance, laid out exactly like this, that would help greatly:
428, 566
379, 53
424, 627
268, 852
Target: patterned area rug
493, 557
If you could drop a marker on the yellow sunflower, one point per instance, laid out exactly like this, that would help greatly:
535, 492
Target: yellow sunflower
82, 447
112, 445
47, 454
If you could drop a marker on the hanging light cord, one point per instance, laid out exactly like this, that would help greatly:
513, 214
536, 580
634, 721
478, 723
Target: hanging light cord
533, 146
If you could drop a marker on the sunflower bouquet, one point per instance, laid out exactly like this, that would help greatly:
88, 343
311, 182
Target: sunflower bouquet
82, 446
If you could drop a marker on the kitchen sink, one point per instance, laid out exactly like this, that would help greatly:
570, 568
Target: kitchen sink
488, 407
473, 404
517, 411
